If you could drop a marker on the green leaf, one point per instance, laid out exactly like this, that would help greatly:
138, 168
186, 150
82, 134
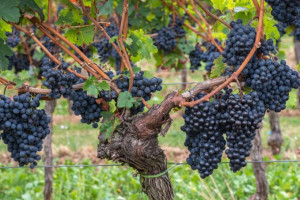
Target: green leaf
9, 10
247, 90
140, 46
136, 69
219, 68
103, 85
93, 90
112, 106
4, 51
29, 6
108, 127
4, 27
80, 36
114, 39
70, 15
90, 87
107, 8
185, 46
107, 115
125, 100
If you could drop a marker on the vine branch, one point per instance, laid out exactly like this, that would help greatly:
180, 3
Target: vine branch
207, 12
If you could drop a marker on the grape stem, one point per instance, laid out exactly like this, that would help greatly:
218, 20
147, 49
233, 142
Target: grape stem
52, 57
122, 53
123, 29
256, 6
235, 75
207, 26
27, 50
45, 28
211, 15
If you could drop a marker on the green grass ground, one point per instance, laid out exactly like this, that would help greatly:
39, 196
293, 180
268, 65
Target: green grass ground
111, 183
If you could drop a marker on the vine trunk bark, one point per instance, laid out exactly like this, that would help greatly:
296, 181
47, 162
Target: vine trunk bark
135, 143
275, 139
259, 169
297, 53
48, 187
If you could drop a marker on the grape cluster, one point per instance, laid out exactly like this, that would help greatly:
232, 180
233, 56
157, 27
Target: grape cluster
105, 49
142, 87
18, 62
23, 127
210, 55
204, 138
166, 39
197, 56
86, 106
59, 81
285, 11
51, 47
240, 42
178, 26
228, 114
272, 81
13, 38
245, 114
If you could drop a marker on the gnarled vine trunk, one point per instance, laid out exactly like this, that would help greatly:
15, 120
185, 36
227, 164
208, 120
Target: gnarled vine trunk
48, 187
275, 139
262, 186
135, 143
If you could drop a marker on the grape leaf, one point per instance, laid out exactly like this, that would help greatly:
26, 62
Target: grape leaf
9, 10
102, 86
219, 68
80, 36
108, 127
28, 6
4, 51
70, 15
107, 8
92, 86
140, 45
125, 100
4, 27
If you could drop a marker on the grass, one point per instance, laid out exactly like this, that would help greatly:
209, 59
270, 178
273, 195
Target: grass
119, 183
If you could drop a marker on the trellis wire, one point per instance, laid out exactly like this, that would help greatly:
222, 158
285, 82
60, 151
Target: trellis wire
120, 165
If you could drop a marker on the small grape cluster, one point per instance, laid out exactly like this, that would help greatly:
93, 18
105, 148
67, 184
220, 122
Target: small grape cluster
272, 81
18, 62
23, 127
142, 87
166, 39
105, 49
245, 115
206, 123
13, 38
51, 47
210, 55
178, 26
86, 106
197, 55
59, 81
